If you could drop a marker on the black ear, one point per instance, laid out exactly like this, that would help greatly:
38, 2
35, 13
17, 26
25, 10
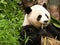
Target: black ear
45, 5
28, 10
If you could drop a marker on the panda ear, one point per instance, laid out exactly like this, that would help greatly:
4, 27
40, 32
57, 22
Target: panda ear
28, 10
45, 5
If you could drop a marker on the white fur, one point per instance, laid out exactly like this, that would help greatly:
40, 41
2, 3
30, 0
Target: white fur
31, 19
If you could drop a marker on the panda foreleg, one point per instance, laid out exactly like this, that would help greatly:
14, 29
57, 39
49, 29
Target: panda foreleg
52, 30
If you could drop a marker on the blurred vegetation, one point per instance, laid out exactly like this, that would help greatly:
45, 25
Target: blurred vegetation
55, 22
11, 18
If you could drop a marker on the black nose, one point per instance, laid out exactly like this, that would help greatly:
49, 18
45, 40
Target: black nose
46, 21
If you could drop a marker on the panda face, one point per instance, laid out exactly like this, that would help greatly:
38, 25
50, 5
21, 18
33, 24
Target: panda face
43, 19
37, 16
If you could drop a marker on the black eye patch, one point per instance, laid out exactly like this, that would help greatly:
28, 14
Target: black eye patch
39, 17
46, 15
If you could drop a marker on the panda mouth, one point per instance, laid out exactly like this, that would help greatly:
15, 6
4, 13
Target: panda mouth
45, 24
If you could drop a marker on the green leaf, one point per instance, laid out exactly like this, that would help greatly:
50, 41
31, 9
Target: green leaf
26, 40
55, 22
57, 25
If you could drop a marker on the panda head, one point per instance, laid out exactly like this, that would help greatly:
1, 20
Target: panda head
36, 16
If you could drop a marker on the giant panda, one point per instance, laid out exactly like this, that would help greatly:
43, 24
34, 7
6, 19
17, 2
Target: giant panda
36, 24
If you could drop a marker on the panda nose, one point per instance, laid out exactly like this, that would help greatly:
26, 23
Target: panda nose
46, 21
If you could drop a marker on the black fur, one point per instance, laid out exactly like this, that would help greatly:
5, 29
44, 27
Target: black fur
46, 16
45, 5
39, 17
35, 34
28, 10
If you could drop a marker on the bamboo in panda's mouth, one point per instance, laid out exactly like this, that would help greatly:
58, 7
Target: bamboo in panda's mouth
42, 26
44, 37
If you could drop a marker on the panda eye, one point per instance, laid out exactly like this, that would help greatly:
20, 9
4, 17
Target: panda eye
39, 17
46, 15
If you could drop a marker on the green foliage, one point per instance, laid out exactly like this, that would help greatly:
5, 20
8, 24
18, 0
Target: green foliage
11, 18
26, 38
55, 22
